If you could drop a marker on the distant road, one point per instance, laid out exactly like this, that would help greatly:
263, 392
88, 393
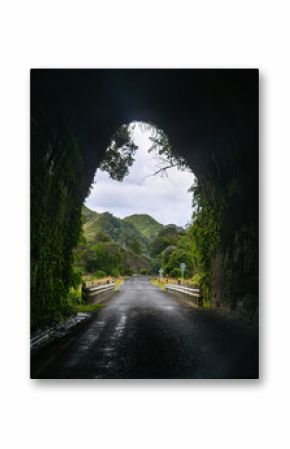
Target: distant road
144, 332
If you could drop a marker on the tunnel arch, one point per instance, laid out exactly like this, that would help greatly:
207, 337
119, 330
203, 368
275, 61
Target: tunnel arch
140, 163
210, 116
211, 119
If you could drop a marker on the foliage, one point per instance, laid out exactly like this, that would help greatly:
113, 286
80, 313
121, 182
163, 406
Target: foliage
105, 227
178, 256
111, 246
175, 273
85, 308
99, 274
166, 254
76, 277
120, 154
207, 224
196, 280
75, 305
168, 235
207, 228
104, 256
56, 196
167, 157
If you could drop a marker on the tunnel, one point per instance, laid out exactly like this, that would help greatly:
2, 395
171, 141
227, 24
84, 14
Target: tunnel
211, 120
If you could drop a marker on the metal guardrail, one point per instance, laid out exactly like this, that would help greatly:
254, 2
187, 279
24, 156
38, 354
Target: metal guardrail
194, 292
87, 293
95, 290
188, 291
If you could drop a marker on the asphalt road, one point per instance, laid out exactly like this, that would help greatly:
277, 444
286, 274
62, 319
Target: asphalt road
146, 333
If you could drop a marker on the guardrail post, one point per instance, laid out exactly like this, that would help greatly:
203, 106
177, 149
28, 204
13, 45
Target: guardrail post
200, 298
85, 293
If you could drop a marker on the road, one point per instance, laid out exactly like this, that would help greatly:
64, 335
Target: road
146, 333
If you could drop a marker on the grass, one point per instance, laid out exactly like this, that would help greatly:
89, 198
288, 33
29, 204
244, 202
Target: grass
157, 283
92, 281
185, 282
119, 282
85, 307
75, 294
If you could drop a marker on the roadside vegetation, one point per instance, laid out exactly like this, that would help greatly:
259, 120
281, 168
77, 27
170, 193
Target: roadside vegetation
74, 297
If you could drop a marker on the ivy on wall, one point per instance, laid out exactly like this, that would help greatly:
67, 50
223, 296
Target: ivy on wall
56, 198
207, 229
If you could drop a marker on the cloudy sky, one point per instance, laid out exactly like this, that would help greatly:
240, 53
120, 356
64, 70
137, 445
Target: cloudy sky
165, 198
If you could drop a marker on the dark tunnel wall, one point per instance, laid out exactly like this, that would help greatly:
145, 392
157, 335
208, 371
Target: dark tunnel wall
211, 119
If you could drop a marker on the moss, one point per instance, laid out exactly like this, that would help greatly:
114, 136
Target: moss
56, 197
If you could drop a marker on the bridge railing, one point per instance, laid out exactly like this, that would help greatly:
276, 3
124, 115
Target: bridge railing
99, 282
89, 292
195, 293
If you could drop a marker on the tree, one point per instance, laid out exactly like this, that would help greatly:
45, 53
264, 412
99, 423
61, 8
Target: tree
169, 235
136, 247
119, 156
177, 257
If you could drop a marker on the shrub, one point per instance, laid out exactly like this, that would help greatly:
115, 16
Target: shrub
76, 278
197, 279
99, 274
115, 272
175, 273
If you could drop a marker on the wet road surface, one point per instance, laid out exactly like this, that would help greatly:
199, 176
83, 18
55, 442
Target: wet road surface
144, 332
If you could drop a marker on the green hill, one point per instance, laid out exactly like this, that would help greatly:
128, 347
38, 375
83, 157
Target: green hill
135, 244
111, 246
88, 214
99, 227
145, 224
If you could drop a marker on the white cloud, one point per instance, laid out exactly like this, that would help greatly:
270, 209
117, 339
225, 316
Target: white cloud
165, 198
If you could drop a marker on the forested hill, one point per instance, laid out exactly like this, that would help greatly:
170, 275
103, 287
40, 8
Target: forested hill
145, 224
136, 232
135, 244
98, 227
88, 214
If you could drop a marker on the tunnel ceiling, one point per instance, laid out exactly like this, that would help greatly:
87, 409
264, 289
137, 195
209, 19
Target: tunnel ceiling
209, 116
198, 109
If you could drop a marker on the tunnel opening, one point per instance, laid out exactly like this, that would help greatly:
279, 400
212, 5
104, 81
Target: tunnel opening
140, 153
137, 216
